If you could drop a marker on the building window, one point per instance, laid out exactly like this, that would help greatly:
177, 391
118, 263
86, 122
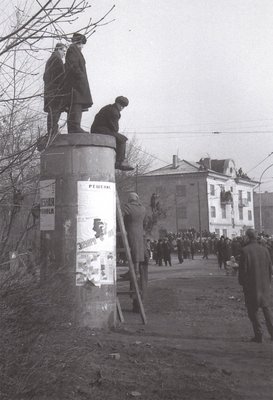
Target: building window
240, 195
213, 212
224, 211
217, 232
181, 212
225, 232
241, 215
231, 188
212, 190
249, 196
181, 190
249, 214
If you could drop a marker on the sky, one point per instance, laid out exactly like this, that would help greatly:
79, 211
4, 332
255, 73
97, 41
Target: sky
198, 75
189, 68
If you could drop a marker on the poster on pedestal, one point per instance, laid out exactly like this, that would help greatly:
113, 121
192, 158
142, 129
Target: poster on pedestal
47, 205
96, 239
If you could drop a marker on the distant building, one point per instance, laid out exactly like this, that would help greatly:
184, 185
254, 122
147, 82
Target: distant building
208, 195
264, 222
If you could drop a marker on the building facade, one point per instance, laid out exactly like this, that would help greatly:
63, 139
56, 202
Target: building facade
263, 212
208, 195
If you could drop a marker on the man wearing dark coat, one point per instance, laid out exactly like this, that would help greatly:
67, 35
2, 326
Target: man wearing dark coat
53, 88
77, 91
106, 122
133, 214
255, 269
166, 246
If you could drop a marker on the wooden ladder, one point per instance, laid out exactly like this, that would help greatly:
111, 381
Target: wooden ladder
135, 289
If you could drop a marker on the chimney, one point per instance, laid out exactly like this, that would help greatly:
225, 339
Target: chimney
207, 162
175, 162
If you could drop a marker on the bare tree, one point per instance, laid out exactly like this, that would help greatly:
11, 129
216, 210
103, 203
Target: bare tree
140, 160
26, 32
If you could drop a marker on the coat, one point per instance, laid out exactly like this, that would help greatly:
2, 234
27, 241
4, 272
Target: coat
76, 88
134, 214
53, 82
255, 269
106, 120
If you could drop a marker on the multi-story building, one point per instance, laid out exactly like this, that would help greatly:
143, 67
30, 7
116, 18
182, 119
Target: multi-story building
207, 195
263, 212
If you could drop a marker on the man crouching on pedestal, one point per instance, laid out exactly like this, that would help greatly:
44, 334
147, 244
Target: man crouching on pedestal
106, 122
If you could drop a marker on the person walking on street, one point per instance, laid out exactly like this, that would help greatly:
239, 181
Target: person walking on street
192, 249
159, 252
220, 251
205, 250
227, 251
255, 271
166, 246
179, 249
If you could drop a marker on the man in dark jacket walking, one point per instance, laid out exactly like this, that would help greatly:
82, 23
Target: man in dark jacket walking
255, 269
106, 122
77, 91
53, 88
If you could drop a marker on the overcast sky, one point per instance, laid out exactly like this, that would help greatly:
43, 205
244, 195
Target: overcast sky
189, 68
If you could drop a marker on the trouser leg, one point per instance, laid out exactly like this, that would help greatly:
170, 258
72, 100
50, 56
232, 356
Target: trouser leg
268, 320
253, 316
74, 118
143, 279
53, 117
121, 147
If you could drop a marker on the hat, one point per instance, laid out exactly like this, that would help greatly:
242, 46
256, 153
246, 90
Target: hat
79, 38
132, 197
59, 46
250, 233
123, 101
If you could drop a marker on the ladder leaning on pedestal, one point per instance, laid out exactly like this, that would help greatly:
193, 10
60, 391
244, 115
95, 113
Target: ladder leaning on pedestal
126, 249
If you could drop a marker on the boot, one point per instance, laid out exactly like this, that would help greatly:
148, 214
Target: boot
123, 165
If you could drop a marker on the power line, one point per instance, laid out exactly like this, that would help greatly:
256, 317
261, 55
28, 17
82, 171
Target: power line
269, 155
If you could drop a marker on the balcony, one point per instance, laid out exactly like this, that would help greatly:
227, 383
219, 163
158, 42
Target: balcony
243, 203
226, 197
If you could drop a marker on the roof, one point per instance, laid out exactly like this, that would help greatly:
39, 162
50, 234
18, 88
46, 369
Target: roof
218, 165
183, 167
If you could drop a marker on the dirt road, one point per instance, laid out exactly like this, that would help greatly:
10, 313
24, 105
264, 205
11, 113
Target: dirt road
195, 346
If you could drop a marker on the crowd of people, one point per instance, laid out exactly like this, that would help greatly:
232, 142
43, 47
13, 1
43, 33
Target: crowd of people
187, 245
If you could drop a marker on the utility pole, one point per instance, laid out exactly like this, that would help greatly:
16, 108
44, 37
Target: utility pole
260, 197
136, 186
199, 213
176, 216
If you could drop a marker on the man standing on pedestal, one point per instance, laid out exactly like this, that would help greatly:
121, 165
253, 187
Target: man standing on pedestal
53, 89
107, 122
77, 92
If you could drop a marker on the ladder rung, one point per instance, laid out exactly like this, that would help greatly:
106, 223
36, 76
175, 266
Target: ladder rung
120, 249
126, 292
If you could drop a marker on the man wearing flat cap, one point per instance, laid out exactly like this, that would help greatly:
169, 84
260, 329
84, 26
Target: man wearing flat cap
255, 269
77, 91
106, 122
